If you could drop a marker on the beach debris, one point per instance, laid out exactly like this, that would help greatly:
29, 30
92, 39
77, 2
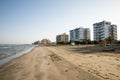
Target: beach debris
48, 63
66, 70
80, 65
116, 59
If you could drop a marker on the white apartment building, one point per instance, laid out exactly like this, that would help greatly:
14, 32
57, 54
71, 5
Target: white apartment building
103, 30
79, 34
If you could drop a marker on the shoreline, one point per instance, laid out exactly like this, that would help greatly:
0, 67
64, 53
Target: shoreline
7, 60
62, 63
42, 64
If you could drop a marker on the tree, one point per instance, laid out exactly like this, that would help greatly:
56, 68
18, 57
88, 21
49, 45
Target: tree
95, 42
36, 43
109, 39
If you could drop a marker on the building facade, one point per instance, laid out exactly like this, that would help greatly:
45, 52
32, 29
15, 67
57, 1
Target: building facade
62, 38
79, 34
114, 32
87, 33
103, 30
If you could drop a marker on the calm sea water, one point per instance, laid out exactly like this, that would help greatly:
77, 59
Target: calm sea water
9, 52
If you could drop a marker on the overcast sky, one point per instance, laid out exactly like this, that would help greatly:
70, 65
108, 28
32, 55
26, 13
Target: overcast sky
25, 21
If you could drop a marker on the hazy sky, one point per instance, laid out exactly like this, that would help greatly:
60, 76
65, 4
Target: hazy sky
25, 21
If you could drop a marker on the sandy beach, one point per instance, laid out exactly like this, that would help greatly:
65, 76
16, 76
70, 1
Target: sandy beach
62, 63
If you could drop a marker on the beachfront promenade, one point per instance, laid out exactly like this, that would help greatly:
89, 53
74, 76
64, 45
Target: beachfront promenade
59, 63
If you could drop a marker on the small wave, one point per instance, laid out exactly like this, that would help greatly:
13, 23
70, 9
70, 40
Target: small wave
7, 56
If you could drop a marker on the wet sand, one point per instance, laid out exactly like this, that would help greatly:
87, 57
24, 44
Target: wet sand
59, 63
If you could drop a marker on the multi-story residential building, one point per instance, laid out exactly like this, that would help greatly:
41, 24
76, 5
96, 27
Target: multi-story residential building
87, 33
62, 38
114, 32
79, 34
103, 30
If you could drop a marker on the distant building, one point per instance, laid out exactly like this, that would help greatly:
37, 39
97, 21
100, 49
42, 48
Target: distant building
53, 43
114, 32
45, 42
103, 30
79, 34
87, 33
62, 38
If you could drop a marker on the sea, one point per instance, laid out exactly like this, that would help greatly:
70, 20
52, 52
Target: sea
9, 52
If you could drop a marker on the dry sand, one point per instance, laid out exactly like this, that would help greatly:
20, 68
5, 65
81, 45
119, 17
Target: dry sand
61, 63
42, 64
104, 65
